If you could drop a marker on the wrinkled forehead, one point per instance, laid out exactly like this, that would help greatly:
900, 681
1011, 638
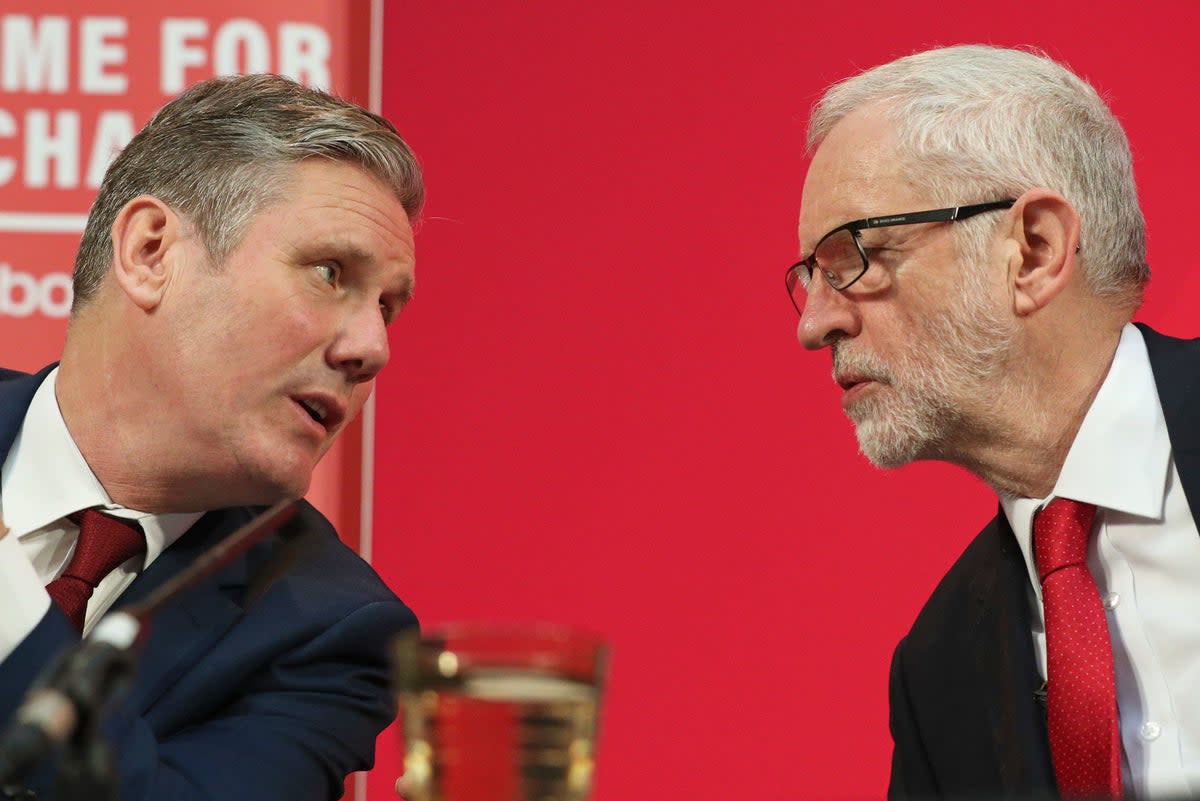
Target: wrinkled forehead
856, 172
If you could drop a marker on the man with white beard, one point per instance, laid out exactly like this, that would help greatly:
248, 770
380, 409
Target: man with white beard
973, 253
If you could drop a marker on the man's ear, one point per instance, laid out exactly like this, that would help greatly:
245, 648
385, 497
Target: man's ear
144, 235
1044, 241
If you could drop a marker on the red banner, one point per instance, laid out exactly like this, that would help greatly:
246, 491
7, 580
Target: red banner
78, 79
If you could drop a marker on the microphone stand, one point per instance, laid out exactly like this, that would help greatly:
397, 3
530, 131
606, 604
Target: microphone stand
63, 707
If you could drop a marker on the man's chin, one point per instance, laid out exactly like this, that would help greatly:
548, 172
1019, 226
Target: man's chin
273, 483
885, 444
883, 457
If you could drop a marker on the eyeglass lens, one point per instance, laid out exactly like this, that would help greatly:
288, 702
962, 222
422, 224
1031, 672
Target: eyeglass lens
838, 259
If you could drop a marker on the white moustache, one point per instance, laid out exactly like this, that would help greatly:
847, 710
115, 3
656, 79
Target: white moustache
859, 366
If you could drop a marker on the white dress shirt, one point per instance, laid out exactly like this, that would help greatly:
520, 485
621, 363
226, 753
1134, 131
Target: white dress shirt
44, 479
1145, 558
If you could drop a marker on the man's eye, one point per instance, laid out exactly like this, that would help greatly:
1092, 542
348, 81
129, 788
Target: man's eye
328, 271
804, 276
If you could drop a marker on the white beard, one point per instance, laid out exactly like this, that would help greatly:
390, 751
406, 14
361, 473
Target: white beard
937, 393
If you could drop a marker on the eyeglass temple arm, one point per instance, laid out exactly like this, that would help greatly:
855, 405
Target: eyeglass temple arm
936, 215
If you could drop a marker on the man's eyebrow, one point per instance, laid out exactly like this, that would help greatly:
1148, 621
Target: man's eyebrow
351, 252
406, 288
331, 248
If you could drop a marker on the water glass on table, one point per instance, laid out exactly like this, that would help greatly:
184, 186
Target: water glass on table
499, 712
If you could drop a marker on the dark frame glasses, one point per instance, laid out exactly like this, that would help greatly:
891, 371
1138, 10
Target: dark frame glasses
844, 279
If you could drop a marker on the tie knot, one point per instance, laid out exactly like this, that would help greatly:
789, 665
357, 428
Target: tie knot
105, 542
1060, 535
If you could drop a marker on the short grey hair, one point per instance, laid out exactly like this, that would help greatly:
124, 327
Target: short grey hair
222, 151
982, 123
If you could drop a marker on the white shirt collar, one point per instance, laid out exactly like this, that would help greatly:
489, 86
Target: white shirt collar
43, 448
1121, 455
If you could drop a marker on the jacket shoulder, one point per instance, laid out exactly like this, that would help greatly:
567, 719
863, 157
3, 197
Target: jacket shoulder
9, 375
305, 560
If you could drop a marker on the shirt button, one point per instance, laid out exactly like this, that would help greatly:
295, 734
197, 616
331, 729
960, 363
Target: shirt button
1150, 731
1111, 600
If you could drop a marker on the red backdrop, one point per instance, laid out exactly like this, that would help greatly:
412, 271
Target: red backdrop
597, 411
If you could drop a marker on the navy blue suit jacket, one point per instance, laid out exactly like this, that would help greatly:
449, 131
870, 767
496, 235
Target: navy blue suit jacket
276, 696
965, 717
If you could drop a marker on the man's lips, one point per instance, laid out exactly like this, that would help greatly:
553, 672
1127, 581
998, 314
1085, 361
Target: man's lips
857, 372
323, 409
853, 385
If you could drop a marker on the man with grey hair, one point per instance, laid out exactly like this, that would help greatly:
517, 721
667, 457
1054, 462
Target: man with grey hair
233, 288
973, 255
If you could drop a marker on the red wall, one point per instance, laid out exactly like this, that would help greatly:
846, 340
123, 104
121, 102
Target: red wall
597, 411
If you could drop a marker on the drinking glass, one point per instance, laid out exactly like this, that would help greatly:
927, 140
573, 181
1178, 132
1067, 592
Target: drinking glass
499, 712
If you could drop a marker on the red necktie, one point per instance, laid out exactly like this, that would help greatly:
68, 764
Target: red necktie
104, 544
1080, 689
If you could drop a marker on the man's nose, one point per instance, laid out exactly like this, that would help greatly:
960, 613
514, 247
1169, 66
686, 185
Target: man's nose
828, 315
361, 349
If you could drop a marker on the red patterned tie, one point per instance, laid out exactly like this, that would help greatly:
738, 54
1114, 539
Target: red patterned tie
104, 544
1081, 694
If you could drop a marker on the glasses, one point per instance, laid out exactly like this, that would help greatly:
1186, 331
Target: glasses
840, 256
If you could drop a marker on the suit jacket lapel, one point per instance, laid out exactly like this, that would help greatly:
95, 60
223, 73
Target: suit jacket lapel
16, 393
1176, 367
1004, 662
186, 628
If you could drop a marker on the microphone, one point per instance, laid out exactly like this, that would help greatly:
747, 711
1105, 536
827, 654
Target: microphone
45, 719
79, 679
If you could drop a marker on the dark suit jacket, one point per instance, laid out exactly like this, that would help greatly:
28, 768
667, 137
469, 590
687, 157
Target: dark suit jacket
964, 716
277, 696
